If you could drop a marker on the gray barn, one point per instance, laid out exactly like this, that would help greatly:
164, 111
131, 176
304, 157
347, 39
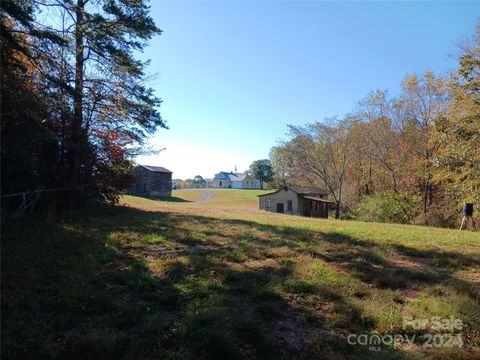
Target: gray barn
296, 200
152, 181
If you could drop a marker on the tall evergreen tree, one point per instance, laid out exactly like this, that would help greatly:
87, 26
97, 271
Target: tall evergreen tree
109, 92
29, 145
99, 108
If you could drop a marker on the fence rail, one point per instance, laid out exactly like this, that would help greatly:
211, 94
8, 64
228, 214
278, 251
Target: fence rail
30, 198
34, 192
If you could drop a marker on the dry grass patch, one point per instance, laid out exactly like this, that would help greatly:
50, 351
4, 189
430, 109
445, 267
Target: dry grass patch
281, 252
261, 264
161, 267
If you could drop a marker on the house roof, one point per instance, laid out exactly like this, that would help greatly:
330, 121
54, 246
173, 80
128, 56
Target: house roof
156, 169
301, 190
314, 198
304, 190
274, 192
228, 176
238, 177
222, 175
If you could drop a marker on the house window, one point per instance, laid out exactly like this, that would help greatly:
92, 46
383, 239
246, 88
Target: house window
289, 205
267, 203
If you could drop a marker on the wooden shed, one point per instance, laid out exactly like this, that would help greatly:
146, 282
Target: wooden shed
296, 200
152, 181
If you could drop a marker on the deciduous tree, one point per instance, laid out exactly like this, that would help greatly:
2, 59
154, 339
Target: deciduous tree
262, 170
458, 162
320, 154
425, 101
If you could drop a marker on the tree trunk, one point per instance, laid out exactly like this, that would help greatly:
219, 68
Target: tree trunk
427, 189
369, 181
425, 203
338, 202
394, 181
430, 194
76, 136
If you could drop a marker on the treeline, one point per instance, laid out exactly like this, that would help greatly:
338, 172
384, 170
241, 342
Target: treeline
411, 158
197, 182
74, 105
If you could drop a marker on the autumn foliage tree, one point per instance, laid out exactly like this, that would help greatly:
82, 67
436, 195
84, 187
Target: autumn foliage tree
457, 165
319, 154
413, 157
29, 142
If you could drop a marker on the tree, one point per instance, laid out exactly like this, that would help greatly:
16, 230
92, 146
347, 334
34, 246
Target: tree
280, 166
458, 161
81, 64
384, 132
29, 144
362, 171
199, 182
108, 90
320, 153
262, 170
425, 101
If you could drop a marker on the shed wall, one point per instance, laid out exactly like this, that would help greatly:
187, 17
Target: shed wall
152, 184
300, 205
313, 208
269, 202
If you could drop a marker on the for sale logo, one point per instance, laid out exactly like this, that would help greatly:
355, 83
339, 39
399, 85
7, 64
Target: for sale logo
445, 333
435, 323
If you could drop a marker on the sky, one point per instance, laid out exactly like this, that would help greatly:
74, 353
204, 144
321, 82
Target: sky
234, 74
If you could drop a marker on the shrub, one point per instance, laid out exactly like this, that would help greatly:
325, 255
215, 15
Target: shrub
387, 206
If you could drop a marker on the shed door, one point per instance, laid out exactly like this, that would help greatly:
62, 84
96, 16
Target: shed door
306, 210
280, 208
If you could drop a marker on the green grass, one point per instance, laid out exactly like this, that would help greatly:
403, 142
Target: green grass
185, 195
223, 280
233, 198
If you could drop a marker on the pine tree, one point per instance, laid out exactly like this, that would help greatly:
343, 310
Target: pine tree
80, 56
108, 85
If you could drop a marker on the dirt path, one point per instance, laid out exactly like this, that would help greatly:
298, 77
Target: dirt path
203, 194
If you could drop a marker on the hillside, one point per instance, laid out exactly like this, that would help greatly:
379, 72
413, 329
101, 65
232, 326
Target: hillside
220, 279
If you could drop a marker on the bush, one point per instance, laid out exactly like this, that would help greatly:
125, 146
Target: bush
387, 206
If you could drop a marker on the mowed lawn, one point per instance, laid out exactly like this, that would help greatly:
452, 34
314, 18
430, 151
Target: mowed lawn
222, 198
220, 279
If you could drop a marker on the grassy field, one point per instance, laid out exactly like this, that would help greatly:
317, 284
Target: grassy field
220, 279
223, 198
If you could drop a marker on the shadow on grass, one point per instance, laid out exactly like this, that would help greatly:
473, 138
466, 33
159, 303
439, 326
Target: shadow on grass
123, 283
171, 199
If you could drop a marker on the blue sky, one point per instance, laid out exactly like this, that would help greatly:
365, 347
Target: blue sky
233, 74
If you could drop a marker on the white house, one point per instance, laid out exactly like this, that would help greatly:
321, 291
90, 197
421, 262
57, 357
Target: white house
231, 180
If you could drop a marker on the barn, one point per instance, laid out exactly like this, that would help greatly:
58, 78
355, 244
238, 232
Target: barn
152, 181
296, 200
